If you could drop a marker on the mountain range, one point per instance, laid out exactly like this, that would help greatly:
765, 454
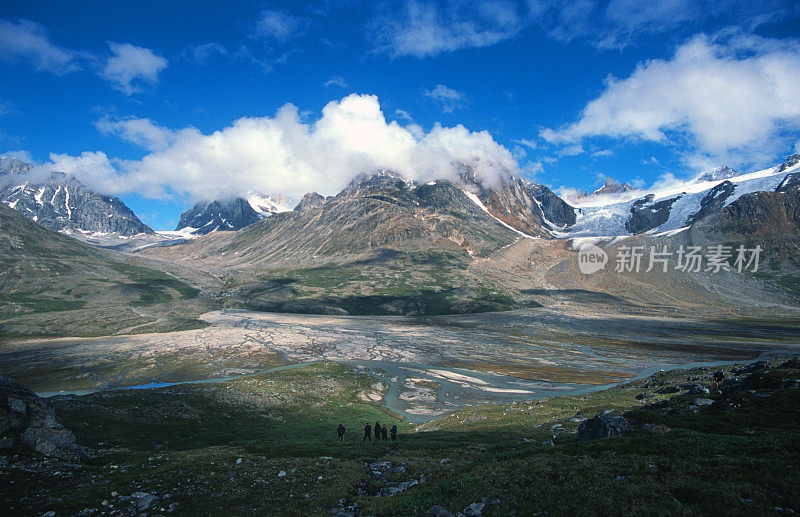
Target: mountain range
388, 245
63, 204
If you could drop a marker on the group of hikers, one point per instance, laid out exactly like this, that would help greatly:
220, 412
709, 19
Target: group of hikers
380, 432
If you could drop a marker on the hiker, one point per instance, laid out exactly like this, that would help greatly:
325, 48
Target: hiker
383, 433
718, 377
340, 432
367, 432
394, 432
377, 430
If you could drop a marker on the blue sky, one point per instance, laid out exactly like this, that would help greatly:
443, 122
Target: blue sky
128, 95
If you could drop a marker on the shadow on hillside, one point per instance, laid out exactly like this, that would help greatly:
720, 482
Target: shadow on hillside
578, 295
422, 303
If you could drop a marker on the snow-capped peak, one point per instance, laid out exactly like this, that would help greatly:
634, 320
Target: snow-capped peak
268, 205
716, 174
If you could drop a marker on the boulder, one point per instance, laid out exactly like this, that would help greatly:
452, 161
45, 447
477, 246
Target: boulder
604, 425
142, 500
474, 510
439, 511
26, 420
668, 389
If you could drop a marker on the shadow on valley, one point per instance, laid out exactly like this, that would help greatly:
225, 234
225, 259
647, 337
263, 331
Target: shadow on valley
578, 295
426, 302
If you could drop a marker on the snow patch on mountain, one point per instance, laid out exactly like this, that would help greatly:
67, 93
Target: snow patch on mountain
607, 215
475, 199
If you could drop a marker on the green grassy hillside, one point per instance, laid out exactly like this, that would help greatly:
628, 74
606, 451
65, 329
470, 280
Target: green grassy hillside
267, 444
52, 284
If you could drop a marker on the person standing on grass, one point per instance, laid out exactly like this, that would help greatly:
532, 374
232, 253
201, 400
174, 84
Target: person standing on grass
718, 378
367, 432
394, 432
383, 433
340, 432
377, 430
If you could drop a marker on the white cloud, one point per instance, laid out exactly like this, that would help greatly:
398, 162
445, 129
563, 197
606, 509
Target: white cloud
19, 154
448, 99
284, 155
423, 28
402, 114
531, 144
337, 80
735, 101
571, 150
200, 54
279, 26
617, 23
140, 131
130, 64
94, 169
603, 152
29, 41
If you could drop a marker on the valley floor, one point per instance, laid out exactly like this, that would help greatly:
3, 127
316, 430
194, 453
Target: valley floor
422, 367
266, 444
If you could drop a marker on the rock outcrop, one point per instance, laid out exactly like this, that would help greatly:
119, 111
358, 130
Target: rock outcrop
612, 187
646, 215
604, 425
28, 422
310, 201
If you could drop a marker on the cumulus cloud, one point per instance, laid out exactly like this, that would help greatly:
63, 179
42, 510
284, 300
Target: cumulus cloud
424, 28
448, 99
284, 155
734, 101
130, 65
25, 40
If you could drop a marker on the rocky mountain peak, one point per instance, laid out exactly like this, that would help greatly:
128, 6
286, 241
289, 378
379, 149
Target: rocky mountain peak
64, 204
790, 161
13, 166
716, 174
613, 187
310, 201
210, 216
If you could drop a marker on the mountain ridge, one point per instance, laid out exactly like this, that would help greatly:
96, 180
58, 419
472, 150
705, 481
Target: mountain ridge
64, 204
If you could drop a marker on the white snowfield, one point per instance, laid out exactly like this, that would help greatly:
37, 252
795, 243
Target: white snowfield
605, 216
267, 205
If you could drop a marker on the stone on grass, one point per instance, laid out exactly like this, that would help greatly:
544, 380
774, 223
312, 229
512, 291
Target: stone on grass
28, 421
604, 425
439, 511
474, 510
703, 402
142, 500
